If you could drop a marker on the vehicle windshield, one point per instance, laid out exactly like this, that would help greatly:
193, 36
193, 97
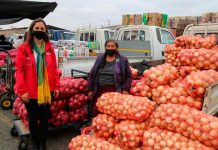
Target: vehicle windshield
69, 36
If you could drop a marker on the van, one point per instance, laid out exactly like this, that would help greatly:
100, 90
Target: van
56, 35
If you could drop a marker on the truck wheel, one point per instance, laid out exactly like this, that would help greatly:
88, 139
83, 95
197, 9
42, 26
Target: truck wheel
6, 103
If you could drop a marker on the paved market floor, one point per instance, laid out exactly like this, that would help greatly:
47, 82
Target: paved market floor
56, 141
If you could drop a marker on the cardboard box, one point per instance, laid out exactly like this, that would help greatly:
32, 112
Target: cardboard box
154, 19
137, 19
132, 19
125, 20
209, 17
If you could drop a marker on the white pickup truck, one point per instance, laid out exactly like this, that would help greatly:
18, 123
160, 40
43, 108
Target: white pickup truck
136, 42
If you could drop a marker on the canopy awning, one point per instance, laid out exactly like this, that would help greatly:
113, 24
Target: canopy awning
12, 11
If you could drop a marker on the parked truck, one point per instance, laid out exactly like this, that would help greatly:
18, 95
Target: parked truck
203, 29
136, 42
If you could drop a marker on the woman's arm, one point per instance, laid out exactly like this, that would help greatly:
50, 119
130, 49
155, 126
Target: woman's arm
20, 70
91, 75
56, 75
128, 80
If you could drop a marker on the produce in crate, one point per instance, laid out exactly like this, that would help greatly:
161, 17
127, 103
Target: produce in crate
130, 132
87, 142
79, 114
160, 75
200, 58
187, 121
159, 139
103, 126
122, 106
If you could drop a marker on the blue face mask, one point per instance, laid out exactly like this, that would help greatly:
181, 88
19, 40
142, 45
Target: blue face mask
110, 52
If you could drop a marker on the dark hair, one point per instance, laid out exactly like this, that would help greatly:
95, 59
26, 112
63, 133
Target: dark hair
113, 41
2, 37
105, 44
29, 36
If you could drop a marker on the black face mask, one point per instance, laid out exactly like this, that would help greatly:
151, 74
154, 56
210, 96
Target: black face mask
39, 34
110, 52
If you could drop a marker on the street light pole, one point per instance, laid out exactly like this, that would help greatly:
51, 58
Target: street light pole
109, 23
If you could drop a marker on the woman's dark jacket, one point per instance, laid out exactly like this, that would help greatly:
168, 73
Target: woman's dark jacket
122, 73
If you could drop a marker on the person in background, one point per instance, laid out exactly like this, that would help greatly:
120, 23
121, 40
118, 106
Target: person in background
110, 73
5, 44
92, 53
37, 79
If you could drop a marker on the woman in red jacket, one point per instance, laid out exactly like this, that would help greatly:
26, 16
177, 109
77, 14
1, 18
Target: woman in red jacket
36, 78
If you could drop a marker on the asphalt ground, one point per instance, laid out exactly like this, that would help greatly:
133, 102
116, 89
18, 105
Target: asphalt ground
57, 140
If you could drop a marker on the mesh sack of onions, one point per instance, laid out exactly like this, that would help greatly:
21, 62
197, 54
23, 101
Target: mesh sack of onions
140, 89
195, 84
175, 95
103, 126
196, 42
160, 75
170, 54
200, 58
159, 139
130, 132
122, 106
87, 142
187, 121
186, 70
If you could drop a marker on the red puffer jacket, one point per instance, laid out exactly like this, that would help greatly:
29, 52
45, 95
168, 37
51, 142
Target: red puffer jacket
26, 74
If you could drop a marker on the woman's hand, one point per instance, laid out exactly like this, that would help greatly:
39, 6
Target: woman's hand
25, 97
56, 93
125, 92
